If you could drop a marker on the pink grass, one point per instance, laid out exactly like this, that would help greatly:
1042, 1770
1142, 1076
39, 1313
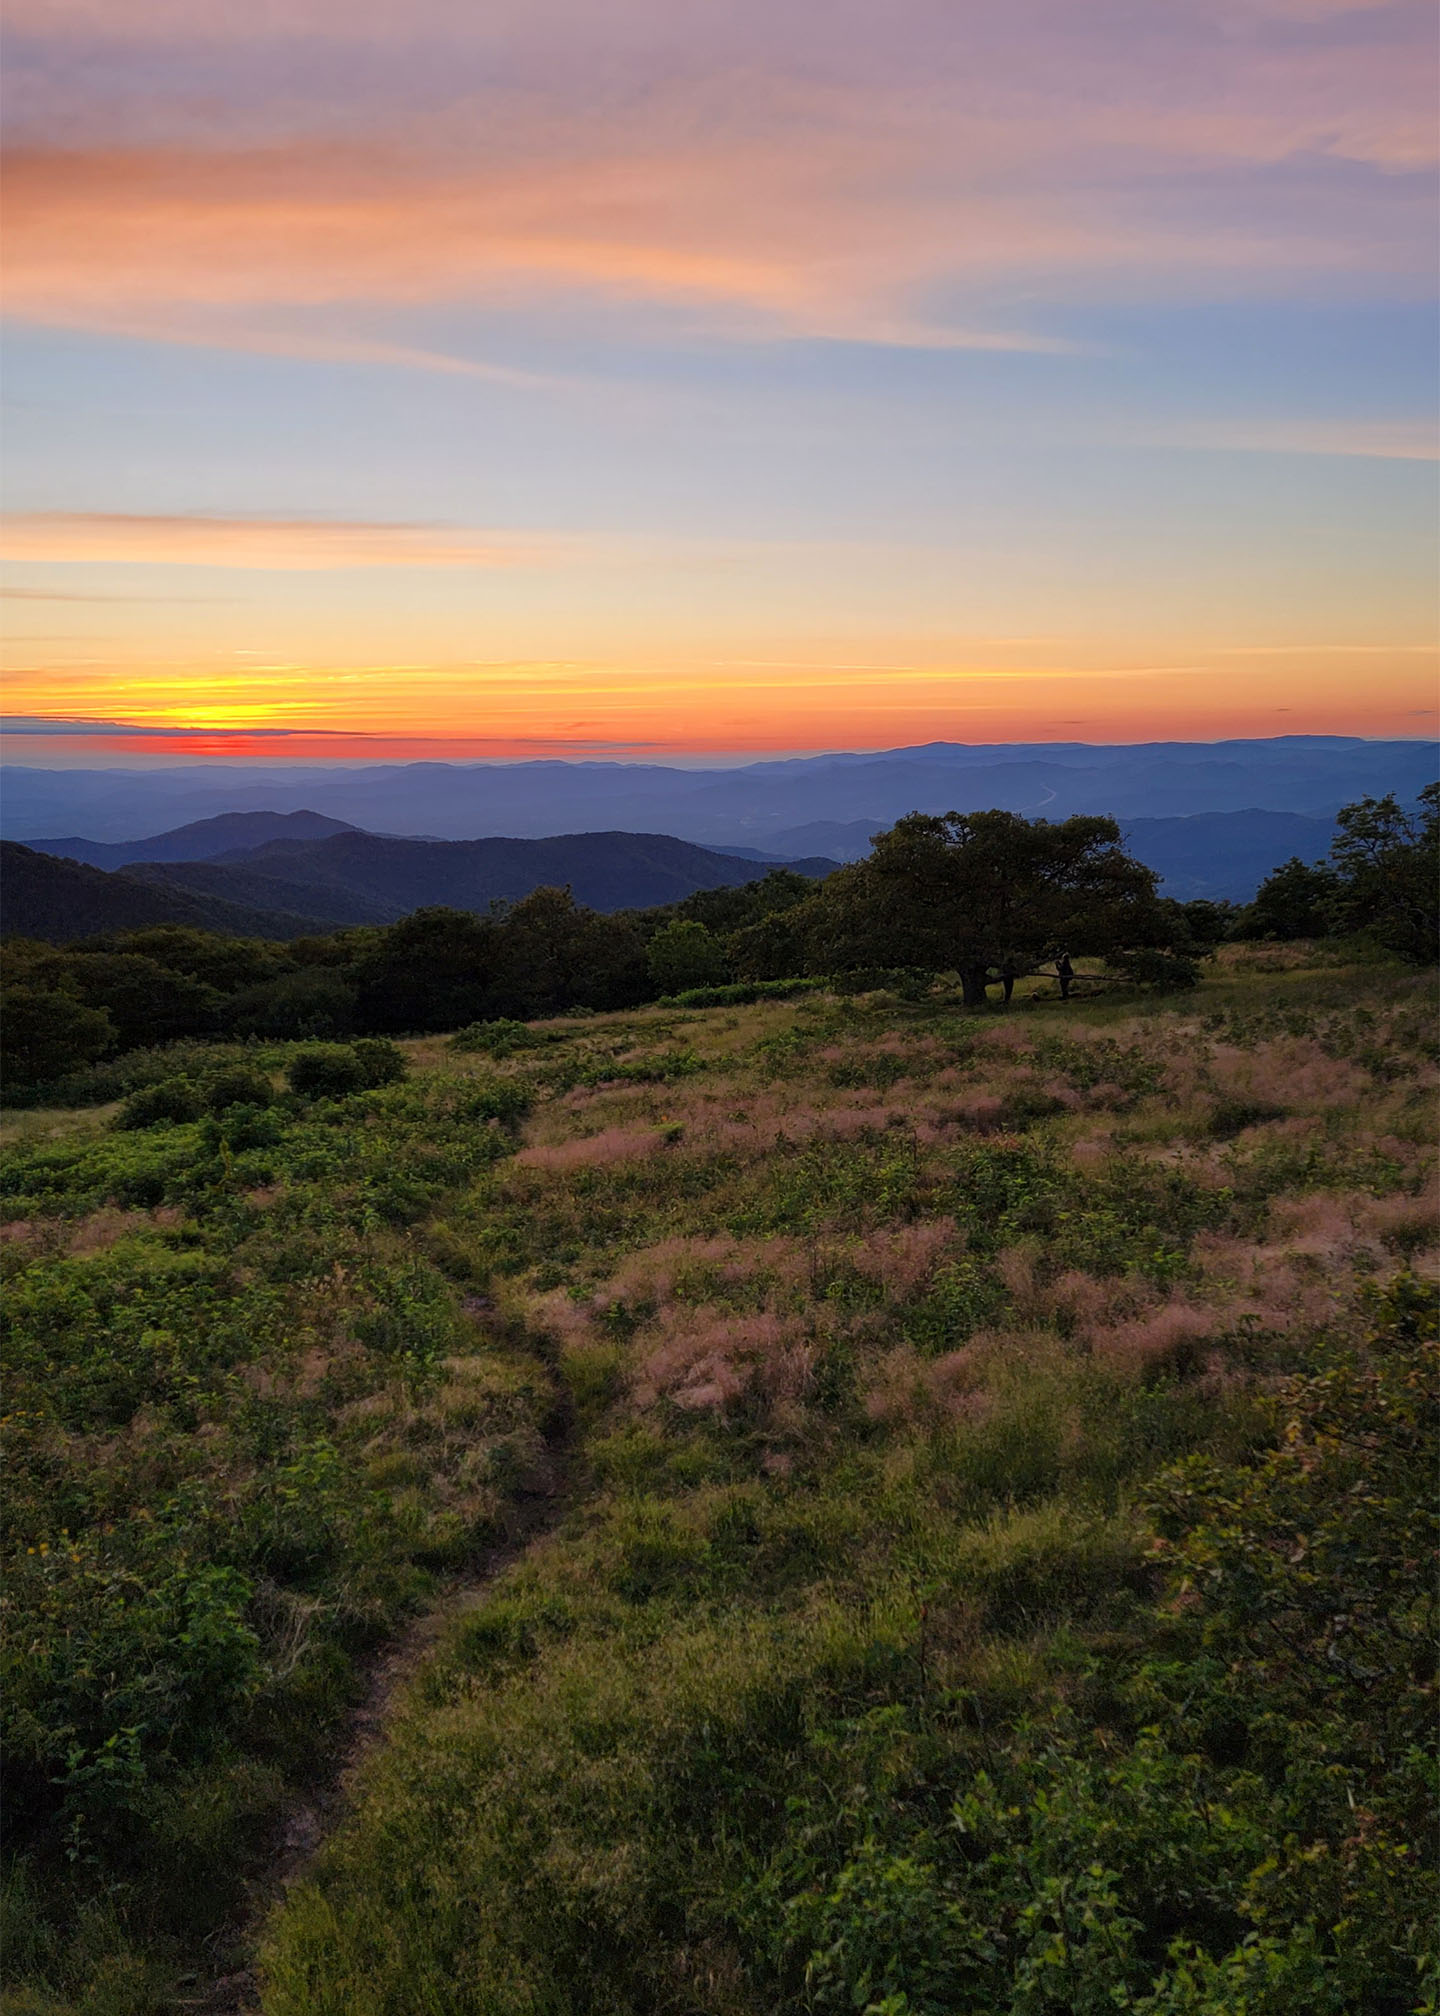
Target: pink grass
709, 1360
594, 1151
904, 1260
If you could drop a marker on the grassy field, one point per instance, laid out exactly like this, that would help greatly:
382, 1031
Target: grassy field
991, 1574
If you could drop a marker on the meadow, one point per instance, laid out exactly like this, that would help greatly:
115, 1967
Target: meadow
922, 1512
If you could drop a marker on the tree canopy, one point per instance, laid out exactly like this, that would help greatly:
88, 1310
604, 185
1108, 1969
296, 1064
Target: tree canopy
1388, 862
979, 892
1382, 881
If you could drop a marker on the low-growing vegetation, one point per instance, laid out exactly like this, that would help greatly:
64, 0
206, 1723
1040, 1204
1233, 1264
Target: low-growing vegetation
999, 1584
994, 1567
251, 1421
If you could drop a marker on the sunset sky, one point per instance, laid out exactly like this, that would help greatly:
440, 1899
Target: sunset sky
672, 377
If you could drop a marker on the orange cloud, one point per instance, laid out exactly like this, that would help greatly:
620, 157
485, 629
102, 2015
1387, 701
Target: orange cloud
99, 237
759, 201
299, 545
737, 705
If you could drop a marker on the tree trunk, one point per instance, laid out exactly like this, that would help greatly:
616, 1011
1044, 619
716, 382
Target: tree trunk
972, 986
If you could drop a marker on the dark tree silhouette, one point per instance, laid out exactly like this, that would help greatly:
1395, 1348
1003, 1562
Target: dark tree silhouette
1388, 864
970, 892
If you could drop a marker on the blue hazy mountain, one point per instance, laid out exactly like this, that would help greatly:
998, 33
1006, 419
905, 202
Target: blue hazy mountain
750, 805
290, 887
1221, 855
202, 840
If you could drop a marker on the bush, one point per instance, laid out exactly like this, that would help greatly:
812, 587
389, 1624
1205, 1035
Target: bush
239, 1087
909, 983
326, 1071
1165, 972
381, 1061
500, 1038
1294, 901
740, 993
174, 1100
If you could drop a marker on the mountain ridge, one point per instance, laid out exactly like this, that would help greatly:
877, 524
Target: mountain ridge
384, 878
1223, 856
734, 805
193, 842
296, 888
57, 900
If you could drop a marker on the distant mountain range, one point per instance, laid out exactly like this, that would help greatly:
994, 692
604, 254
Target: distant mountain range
292, 887
759, 806
1213, 819
1220, 855
1224, 856
203, 840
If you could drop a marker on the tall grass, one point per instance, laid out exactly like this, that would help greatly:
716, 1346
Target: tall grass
882, 1363
933, 1383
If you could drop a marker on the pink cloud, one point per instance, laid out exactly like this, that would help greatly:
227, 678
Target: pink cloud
722, 161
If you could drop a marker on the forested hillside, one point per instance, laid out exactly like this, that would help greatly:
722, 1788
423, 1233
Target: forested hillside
201, 840
368, 878
285, 888
923, 1512
43, 896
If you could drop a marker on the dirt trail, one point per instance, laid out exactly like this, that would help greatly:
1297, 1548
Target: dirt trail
319, 1808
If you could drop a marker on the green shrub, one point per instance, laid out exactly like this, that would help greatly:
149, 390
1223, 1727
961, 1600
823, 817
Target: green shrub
684, 953
1163, 972
238, 1087
47, 1034
1233, 1116
909, 983
326, 1071
739, 993
500, 1038
173, 1100
381, 1061
315, 1002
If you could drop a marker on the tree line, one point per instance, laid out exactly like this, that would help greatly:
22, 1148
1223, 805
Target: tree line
1381, 880
985, 896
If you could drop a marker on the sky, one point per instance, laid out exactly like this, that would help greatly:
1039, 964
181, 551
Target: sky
691, 378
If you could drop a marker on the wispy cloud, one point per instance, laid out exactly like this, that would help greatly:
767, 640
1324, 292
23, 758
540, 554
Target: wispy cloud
288, 544
66, 595
45, 724
723, 166
200, 243
1413, 440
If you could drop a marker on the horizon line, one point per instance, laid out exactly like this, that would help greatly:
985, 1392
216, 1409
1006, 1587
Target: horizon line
589, 755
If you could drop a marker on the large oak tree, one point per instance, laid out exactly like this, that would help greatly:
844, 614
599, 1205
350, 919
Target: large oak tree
973, 892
